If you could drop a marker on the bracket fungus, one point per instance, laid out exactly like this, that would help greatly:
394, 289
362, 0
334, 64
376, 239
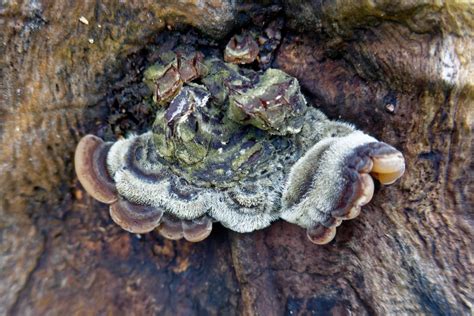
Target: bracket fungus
233, 145
255, 44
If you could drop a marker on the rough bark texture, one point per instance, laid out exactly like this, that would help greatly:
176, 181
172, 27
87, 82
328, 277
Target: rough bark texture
403, 72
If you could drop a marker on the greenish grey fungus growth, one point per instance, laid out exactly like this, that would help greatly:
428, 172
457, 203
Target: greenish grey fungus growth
233, 145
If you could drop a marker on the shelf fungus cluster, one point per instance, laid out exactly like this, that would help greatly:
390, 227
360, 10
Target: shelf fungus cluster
233, 145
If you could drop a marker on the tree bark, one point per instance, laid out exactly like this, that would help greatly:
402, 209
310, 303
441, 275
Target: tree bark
402, 72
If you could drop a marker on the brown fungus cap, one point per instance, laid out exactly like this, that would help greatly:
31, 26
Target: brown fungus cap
138, 219
241, 49
90, 164
321, 235
192, 230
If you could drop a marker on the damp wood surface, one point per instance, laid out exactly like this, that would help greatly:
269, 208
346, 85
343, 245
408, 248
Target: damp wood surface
402, 72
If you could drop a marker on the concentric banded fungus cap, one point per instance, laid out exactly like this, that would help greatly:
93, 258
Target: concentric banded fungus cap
192, 230
388, 168
138, 219
321, 235
90, 165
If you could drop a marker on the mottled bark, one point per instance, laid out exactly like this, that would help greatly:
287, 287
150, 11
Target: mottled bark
403, 72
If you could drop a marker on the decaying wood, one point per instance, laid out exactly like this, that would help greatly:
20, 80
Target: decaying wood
404, 73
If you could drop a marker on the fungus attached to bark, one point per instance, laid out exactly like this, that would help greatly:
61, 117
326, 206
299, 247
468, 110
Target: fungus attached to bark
192, 230
241, 49
91, 170
135, 218
240, 147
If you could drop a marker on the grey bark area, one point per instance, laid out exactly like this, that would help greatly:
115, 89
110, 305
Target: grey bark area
402, 72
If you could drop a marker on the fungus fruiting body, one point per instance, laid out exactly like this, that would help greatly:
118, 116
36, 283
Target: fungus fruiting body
233, 145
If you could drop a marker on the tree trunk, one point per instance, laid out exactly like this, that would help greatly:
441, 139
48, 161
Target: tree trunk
402, 72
